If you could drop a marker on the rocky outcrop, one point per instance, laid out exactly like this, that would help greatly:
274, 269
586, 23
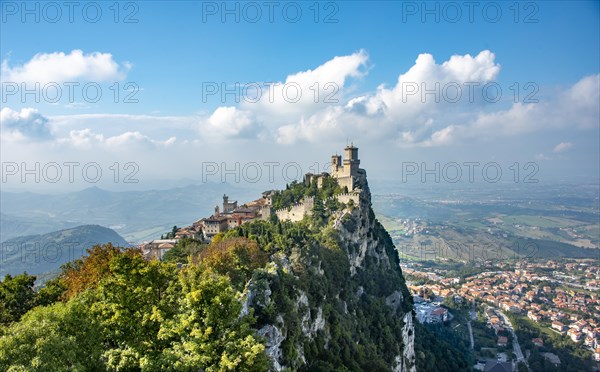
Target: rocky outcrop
394, 300
274, 339
309, 312
405, 362
357, 226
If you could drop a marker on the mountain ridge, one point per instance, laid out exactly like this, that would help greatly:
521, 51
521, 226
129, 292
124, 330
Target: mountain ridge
41, 253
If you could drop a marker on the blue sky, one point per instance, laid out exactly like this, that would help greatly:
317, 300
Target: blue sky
177, 46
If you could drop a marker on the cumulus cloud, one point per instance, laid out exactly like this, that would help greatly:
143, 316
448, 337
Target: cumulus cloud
301, 95
27, 123
305, 92
467, 68
136, 138
83, 138
86, 138
419, 119
569, 109
316, 128
229, 122
562, 147
404, 112
60, 67
443, 136
281, 103
409, 95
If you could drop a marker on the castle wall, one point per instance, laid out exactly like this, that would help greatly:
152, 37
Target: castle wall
345, 198
345, 181
298, 211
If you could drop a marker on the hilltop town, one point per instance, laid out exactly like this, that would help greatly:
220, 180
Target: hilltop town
345, 170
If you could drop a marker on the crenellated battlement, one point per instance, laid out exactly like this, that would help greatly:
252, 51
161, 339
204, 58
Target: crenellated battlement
307, 200
297, 211
346, 197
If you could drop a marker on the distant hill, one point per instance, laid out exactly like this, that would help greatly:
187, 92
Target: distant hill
136, 215
14, 226
39, 254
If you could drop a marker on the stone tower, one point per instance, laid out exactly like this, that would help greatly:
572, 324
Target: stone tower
351, 161
228, 206
346, 170
336, 165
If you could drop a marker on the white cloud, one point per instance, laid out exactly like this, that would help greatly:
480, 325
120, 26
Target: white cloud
585, 92
229, 122
27, 123
541, 156
562, 147
394, 113
316, 128
60, 67
443, 136
136, 138
413, 120
467, 68
569, 109
409, 95
305, 92
83, 138
87, 138
582, 102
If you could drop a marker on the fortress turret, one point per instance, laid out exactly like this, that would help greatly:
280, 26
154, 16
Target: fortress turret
351, 161
228, 206
336, 164
346, 170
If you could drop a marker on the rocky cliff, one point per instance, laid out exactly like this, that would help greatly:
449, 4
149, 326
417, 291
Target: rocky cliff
335, 296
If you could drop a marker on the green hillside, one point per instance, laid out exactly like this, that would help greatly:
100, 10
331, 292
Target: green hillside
37, 254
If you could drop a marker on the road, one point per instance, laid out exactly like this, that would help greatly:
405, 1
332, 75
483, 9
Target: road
471, 335
516, 346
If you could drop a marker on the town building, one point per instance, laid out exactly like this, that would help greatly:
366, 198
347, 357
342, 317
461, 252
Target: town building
439, 315
156, 249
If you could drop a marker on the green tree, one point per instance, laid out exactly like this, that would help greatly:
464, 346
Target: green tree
208, 332
54, 338
318, 211
16, 297
126, 313
235, 257
54, 290
129, 304
184, 248
86, 272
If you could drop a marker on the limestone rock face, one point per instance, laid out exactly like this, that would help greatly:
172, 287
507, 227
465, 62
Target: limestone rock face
274, 338
405, 362
394, 300
357, 228
311, 304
